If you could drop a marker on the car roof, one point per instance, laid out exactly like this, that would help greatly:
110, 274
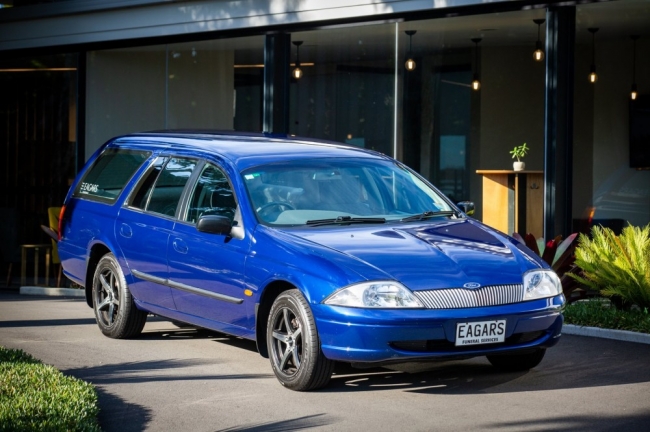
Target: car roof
246, 150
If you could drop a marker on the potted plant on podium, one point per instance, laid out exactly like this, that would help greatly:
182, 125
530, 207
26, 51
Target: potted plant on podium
519, 152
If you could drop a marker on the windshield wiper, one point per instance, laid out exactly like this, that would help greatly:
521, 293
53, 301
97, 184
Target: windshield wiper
429, 214
344, 220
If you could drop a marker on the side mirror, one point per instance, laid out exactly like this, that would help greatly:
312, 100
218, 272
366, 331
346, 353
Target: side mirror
214, 224
467, 207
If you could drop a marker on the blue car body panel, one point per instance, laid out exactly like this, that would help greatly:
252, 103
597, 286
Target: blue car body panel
436, 253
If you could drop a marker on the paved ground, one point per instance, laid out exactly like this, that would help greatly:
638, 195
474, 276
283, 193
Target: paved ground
187, 380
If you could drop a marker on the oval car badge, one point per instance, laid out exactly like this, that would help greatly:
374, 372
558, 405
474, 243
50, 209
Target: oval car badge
471, 285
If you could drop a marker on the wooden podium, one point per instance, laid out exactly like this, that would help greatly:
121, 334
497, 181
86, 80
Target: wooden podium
513, 201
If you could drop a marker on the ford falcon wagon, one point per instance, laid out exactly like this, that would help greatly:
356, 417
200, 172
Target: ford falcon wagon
319, 252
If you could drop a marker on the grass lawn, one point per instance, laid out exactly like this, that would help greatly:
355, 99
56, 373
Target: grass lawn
37, 397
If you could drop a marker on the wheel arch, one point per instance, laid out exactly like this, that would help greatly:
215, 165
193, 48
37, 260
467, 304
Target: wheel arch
97, 251
270, 293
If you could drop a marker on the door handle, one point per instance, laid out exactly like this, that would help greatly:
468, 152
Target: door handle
126, 231
180, 246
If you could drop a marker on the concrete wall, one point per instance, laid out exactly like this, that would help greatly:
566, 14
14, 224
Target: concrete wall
125, 93
512, 107
510, 112
128, 91
201, 89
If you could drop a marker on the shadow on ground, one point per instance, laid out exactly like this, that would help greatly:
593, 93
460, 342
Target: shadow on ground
153, 371
198, 333
48, 322
123, 417
609, 363
626, 421
300, 423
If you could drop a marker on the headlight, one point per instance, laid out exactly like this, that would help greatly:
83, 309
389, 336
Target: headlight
541, 284
381, 294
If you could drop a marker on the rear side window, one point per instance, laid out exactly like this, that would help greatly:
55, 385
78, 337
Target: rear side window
109, 174
169, 186
143, 190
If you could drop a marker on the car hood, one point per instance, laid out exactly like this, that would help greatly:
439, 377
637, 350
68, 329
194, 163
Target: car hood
427, 255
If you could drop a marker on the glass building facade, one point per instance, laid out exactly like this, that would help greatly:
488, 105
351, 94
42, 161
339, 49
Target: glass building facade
590, 139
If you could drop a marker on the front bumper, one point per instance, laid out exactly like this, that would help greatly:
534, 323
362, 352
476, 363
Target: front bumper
367, 335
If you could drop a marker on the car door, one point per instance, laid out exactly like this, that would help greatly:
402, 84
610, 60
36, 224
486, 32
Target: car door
207, 270
144, 226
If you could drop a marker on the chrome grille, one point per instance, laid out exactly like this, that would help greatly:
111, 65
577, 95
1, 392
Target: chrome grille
456, 298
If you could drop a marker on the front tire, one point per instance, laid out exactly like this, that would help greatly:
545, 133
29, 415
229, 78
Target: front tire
115, 310
517, 362
294, 346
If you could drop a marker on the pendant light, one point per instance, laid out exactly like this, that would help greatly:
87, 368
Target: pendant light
410, 63
538, 55
592, 72
297, 72
476, 83
634, 93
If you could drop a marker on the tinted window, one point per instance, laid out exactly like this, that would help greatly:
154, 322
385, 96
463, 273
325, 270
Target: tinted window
110, 173
140, 198
211, 196
169, 187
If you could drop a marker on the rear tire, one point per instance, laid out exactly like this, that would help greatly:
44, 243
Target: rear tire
115, 311
294, 346
517, 362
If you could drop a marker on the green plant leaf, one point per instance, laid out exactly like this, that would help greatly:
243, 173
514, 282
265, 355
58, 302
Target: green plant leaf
616, 266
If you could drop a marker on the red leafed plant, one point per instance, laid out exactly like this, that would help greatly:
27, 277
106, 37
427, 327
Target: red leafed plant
560, 255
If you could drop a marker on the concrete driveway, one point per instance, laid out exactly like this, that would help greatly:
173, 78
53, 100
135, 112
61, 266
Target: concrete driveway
174, 379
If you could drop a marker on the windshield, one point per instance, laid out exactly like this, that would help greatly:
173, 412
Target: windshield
343, 190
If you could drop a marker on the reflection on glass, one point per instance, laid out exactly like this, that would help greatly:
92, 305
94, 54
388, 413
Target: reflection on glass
169, 186
461, 108
295, 193
212, 196
350, 89
611, 182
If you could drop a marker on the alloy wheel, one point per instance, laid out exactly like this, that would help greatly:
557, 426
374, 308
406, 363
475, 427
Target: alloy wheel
107, 297
287, 350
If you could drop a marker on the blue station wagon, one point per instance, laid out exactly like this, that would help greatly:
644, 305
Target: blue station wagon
318, 251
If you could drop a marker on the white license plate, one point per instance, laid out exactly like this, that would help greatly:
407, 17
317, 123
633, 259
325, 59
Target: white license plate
481, 332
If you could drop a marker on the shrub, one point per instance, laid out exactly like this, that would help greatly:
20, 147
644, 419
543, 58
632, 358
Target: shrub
34, 396
595, 313
617, 266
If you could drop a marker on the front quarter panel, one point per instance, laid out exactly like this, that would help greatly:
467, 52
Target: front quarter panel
315, 270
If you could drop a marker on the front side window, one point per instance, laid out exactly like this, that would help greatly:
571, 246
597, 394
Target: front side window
212, 195
300, 192
109, 174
